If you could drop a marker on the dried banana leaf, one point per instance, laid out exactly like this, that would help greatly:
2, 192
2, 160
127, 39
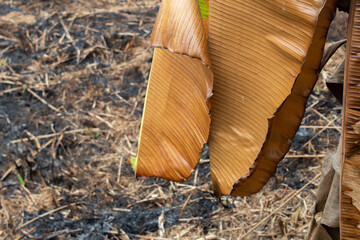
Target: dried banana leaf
176, 121
266, 55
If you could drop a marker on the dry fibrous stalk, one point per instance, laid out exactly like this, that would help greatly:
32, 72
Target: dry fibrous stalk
350, 189
350, 175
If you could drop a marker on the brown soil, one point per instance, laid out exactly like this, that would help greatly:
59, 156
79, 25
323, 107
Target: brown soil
73, 76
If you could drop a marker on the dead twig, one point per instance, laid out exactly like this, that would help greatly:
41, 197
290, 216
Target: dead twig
57, 134
10, 90
183, 207
58, 233
46, 214
42, 100
119, 169
78, 52
306, 156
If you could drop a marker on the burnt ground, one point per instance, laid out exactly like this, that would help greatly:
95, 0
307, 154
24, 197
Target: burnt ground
73, 76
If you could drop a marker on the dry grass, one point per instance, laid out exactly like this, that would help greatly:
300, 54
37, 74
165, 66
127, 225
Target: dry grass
73, 76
